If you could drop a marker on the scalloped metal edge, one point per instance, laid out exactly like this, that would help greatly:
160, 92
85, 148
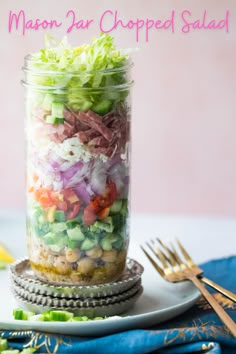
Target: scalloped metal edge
77, 291
55, 302
103, 311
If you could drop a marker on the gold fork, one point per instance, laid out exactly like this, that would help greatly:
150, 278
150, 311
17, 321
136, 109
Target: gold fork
174, 270
175, 258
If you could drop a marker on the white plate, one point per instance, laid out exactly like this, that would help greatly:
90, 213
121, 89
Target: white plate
160, 301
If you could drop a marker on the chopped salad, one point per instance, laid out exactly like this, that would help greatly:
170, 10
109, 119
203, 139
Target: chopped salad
78, 137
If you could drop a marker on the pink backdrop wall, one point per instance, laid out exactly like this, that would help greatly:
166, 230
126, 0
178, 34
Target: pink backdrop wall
184, 104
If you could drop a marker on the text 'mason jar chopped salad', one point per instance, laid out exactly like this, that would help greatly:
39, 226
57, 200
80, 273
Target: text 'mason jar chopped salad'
78, 141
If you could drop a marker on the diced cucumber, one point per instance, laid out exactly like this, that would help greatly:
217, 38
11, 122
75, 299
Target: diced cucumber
106, 224
73, 244
75, 234
102, 107
20, 314
116, 206
80, 318
107, 242
61, 316
118, 222
60, 215
60, 242
59, 227
10, 351
49, 238
118, 244
58, 110
54, 120
85, 106
87, 244
74, 222
124, 208
41, 219
3, 344
48, 101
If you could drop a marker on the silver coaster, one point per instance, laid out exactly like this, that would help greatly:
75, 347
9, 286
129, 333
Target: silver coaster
91, 312
23, 275
53, 302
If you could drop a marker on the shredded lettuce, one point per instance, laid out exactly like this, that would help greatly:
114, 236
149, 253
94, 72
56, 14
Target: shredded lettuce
91, 67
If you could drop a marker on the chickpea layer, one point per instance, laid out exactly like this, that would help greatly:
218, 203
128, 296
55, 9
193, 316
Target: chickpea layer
71, 266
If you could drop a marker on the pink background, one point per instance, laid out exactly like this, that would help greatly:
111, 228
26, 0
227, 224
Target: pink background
184, 104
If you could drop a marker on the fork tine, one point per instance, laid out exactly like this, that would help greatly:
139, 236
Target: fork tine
161, 257
155, 265
158, 256
185, 253
171, 259
177, 257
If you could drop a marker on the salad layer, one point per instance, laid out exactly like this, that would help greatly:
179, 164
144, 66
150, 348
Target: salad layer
78, 119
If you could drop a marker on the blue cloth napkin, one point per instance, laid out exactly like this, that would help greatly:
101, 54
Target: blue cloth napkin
197, 331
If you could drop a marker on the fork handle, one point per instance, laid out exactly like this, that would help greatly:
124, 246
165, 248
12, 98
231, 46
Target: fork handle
219, 288
225, 318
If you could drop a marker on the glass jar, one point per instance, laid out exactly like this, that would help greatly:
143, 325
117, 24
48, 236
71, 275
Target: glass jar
78, 148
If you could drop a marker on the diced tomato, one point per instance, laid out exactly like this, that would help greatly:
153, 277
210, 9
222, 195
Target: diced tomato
103, 213
109, 196
61, 205
99, 207
35, 178
72, 213
31, 189
89, 216
45, 201
70, 195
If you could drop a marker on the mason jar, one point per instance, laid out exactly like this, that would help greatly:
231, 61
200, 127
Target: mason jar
78, 173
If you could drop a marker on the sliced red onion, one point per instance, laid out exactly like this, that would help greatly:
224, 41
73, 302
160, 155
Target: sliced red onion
98, 177
81, 190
